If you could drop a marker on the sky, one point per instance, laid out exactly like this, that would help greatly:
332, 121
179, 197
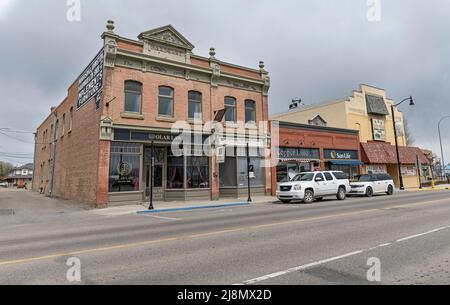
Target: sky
316, 50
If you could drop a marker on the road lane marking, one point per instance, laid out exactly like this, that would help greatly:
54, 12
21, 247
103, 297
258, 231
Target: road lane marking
166, 218
421, 235
200, 235
300, 268
333, 259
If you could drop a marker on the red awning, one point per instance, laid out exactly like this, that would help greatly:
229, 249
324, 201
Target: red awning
384, 153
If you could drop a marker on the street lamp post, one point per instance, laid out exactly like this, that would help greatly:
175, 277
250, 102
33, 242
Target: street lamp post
440, 141
399, 164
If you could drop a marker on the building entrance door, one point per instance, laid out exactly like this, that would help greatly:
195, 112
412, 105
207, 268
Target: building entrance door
159, 156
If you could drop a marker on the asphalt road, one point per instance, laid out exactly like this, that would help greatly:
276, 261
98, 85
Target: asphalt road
330, 242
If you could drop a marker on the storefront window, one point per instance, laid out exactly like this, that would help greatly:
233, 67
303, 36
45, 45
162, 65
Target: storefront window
197, 172
124, 167
175, 172
286, 172
259, 172
228, 174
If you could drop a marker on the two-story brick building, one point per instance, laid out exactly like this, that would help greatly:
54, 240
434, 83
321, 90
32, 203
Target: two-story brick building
130, 106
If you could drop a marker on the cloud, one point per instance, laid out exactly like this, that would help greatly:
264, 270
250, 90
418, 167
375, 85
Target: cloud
315, 50
5, 7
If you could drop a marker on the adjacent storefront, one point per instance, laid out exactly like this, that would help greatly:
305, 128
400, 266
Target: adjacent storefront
347, 161
306, 148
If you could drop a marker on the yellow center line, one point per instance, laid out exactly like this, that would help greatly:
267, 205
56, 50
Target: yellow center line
208, 234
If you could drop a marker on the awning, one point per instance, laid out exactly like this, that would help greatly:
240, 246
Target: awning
385, 153
346, 162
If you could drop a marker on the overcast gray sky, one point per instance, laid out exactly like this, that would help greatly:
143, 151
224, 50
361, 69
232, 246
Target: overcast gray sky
316, 50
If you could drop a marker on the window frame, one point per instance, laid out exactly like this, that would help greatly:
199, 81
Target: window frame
199, 102
228, 106
253, 109
172, 98
132, 92
70, 119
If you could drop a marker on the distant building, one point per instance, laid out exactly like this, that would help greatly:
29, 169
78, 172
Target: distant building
21, 176
368, 110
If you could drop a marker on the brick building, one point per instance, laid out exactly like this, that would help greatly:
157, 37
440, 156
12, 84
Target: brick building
97, 146
304, 148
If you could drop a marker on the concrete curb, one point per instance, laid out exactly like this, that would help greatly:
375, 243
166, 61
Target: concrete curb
428, 189
193, 208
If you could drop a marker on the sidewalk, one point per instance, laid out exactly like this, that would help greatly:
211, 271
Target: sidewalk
442, 187
161, 207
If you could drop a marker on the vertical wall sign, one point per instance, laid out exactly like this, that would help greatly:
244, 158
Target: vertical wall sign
90, 81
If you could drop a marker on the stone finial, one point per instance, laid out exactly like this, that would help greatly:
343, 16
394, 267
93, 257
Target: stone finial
110, 25
261, 65
212, 52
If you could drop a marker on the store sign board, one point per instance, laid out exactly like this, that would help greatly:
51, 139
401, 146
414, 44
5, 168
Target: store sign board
376, 169
379, 130
333, 154
409, 171
90, 81
299, 153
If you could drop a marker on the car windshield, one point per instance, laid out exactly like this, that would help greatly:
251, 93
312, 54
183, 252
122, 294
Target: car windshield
364, 178
304, 177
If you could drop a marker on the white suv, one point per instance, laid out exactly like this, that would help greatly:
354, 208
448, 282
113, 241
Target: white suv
368, 185
307, 187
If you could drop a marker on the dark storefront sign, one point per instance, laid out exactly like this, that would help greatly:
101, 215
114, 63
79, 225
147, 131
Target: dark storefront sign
90, 81
334, 154
299, 153
143, 136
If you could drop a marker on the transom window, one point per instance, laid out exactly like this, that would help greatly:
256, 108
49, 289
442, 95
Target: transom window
250, 112
165, 102
133, 96
230, 106
195, 105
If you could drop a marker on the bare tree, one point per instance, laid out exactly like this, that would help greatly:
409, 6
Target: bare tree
5, 169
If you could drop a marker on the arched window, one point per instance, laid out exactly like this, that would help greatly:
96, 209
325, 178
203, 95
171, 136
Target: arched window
133, 96
195, 105
230, 106
250, 111
165, 102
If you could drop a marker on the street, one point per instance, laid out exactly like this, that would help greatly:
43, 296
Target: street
329, 242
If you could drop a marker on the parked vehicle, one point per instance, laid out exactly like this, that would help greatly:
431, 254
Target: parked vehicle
3, 184
369, 185
311, 186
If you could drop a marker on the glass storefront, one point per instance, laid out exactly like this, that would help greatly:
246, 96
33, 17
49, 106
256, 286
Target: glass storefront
287, 171
124, 169
233, 172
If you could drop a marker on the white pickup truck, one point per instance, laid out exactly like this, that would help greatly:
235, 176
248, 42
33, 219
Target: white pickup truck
308, 187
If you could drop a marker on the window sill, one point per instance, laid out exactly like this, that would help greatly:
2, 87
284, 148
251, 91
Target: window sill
231, 124
251, 126
195, 121
165, 119
130, 115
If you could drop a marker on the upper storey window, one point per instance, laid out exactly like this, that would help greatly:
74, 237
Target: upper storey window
230, 106
165, 102
133, 96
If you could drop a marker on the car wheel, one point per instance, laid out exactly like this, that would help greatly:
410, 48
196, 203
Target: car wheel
342, 194
285, 201
369, 192
390, 190
309, 197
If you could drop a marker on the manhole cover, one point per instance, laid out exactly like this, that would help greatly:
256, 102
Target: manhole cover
6, 212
